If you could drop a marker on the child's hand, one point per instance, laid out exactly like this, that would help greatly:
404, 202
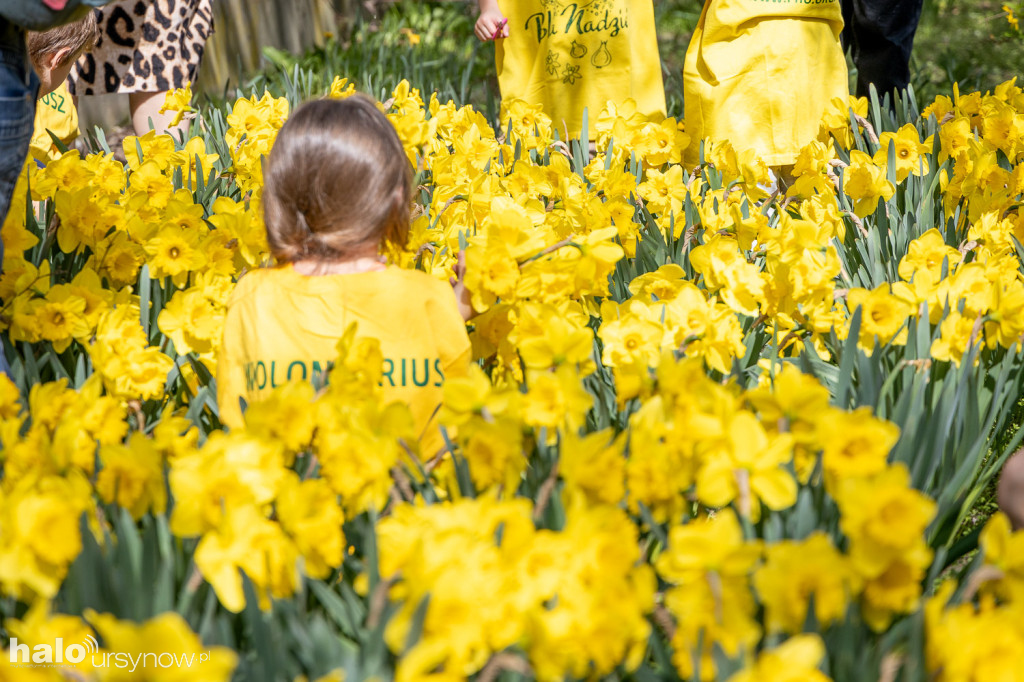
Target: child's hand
458, 283
491, 25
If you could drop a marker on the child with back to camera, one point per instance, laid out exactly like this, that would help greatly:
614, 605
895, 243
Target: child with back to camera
337, 189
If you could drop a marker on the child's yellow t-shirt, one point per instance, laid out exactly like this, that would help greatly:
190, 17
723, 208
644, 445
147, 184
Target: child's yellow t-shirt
760, 73
55, 111
283, 325
566, 56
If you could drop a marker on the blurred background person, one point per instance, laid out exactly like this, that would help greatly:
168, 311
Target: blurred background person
52, 54
146, 48
19, 87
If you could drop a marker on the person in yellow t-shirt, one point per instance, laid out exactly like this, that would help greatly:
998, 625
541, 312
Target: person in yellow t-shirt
337, 189
567, 56
761, 73
53, 53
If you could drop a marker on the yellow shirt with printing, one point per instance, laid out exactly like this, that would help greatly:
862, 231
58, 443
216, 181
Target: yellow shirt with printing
761, 73
567, 56
283, 325
55, 111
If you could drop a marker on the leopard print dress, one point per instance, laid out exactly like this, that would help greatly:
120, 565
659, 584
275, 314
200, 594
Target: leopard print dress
145, 46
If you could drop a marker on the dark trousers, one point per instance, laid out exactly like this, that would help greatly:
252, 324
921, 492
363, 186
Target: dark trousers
18, 88
880, 35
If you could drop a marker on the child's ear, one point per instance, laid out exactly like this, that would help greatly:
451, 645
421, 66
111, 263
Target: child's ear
55, 60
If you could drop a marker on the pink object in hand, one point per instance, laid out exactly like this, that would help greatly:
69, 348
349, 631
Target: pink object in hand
55, 5
498, 30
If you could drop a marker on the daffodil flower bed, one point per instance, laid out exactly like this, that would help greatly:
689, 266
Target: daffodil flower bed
715, 432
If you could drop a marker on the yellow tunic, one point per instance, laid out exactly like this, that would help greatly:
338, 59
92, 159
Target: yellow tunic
55, 111
760, 73
283, 325
569, 56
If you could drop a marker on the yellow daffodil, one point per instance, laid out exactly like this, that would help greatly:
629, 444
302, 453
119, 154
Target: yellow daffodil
865, 183
795, 571
179, 101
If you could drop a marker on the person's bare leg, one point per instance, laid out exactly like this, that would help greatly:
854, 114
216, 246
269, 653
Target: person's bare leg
1011, 489
145, 106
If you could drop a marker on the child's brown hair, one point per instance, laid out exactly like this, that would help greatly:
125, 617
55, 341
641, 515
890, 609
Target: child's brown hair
77, 37
337, 180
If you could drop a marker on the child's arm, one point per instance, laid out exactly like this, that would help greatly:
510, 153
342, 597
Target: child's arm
458, 283
492, 23
230, 385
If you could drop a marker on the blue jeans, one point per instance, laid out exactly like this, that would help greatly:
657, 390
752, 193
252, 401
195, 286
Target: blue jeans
18, 88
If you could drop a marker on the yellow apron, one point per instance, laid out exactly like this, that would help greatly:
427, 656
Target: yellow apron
55, 111
760, 73
566, 56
